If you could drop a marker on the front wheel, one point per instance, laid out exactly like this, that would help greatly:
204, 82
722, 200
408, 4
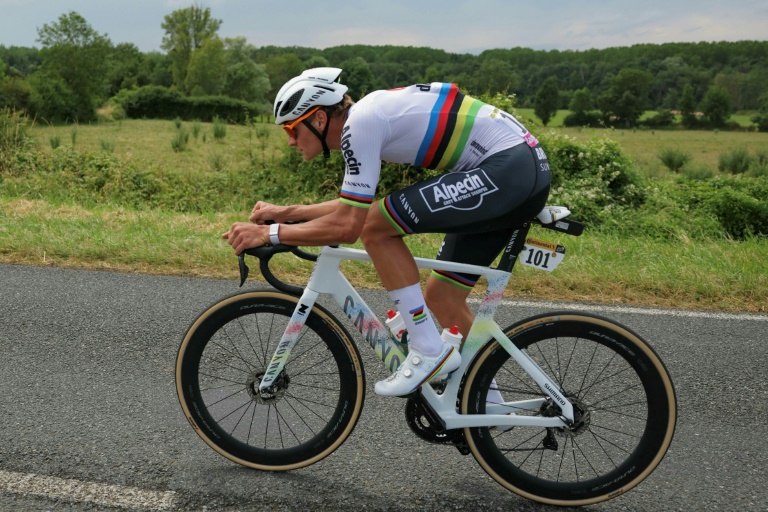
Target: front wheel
313, 405
623, 398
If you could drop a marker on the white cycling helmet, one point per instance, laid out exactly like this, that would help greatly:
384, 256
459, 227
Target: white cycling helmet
315, 87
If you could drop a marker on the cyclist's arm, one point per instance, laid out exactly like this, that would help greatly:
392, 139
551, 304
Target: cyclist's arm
264, 211
342, 226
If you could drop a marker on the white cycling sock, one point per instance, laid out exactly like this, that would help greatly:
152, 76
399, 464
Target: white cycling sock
422, 331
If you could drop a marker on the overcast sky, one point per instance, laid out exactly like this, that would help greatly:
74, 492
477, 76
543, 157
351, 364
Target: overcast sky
458, 26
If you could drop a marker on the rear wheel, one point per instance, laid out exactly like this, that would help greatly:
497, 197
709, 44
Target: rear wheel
622, 394
314, 404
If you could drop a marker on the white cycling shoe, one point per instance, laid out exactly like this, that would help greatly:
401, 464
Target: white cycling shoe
418, 369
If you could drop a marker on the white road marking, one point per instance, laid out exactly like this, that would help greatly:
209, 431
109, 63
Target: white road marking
85, 492
587, 308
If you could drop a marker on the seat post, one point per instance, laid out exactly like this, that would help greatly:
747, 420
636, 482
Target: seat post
514, 247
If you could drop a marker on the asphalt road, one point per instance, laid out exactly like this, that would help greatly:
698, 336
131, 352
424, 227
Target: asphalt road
89, 418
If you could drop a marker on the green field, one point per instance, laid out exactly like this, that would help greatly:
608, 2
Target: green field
644, 144
151, 141
702, 274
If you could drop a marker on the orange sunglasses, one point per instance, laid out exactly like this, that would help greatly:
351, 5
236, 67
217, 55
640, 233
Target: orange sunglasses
290, 127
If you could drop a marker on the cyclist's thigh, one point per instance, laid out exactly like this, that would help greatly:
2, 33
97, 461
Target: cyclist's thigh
472, 248
504, 191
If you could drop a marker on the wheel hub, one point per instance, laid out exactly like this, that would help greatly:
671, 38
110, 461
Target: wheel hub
271, 394
581, 416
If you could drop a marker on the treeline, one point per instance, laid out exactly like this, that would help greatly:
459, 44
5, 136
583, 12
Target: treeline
76, 70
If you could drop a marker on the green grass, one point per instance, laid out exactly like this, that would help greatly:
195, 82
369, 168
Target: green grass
150, 141
744, 119
705, 147
719, 275
709, 274
643, 144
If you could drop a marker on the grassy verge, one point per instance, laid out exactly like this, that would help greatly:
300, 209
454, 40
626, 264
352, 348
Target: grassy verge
713, 274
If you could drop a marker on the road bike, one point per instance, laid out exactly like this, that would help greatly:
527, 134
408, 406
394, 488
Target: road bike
272, 380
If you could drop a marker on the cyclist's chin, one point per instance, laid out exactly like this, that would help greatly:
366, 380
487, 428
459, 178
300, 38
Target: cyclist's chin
309, 153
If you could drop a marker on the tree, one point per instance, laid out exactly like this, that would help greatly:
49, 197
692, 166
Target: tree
52, 98
282, 68
185, 32
79, 56
627, 96
20, 61
733, 83
124, 66
245, 79
206, 73
581, 101
716, 106
688, 107
761, 119
495, 75
156, 70
547, 100
14, 93
358, 77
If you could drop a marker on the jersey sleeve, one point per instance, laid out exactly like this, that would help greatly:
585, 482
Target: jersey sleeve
361, 141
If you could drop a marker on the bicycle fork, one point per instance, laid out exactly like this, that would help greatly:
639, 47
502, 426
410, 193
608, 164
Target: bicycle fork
327, 279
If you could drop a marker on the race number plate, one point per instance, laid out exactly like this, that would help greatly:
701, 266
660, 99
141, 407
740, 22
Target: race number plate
541, 255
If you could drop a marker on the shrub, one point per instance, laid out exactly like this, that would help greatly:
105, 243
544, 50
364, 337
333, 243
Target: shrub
107, 145
758, 171
759, 165
735, 161
698, 172
217, 162
156, 102
14, 129
761, 120
661, 119
674, 158
595, 179
736, 202
15, 92
589, 119
180, 140
219, 129
196, 129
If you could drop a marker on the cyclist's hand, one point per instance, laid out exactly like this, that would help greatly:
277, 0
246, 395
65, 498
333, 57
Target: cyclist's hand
264, 211
243, 235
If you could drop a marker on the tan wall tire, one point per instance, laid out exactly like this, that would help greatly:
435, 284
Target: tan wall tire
612, 373
220, 359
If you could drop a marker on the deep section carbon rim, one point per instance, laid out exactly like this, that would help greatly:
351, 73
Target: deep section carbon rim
315, 402
625, 412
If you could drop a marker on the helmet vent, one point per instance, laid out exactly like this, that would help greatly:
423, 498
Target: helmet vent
291, 103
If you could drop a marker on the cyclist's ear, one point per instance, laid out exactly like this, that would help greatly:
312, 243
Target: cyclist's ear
322, 118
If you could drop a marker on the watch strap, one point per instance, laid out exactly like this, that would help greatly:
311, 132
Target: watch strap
273, 234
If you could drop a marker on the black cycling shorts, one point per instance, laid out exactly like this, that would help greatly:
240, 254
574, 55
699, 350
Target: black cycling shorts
477, 209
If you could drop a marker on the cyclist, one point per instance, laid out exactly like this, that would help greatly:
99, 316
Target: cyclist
498, 177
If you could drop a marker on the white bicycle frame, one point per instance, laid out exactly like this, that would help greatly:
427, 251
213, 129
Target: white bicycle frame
327, 278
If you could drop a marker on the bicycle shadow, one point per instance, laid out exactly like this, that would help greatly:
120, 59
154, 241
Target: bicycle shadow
354, 488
